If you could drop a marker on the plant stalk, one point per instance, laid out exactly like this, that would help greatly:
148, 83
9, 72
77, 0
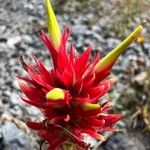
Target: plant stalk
69, 146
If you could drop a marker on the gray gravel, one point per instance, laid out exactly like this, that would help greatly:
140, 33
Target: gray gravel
11, 138
122, 141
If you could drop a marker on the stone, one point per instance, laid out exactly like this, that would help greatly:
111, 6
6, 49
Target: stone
121, 141
112, 42
27, 39
13, 41
12, 138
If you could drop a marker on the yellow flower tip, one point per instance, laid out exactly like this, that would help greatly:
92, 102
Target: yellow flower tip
55, 94
53, 27
110, 59
140, 39
140, 28
90, 106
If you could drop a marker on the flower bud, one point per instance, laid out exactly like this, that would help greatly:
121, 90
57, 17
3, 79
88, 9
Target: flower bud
55, 94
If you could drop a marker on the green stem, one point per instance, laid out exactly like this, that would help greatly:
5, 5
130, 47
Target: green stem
69, 146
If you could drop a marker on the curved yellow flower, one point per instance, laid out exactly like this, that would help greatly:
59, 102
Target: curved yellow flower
53, 27
110, 59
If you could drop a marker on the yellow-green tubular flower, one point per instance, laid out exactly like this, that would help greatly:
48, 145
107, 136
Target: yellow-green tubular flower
53, 27
55, 94
90, 106
110, 59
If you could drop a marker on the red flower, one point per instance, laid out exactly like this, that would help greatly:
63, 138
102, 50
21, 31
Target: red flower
75, 108
68, 95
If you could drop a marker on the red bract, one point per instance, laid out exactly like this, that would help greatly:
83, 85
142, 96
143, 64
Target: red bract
68, 95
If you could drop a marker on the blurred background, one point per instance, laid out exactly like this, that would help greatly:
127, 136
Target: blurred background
102, 23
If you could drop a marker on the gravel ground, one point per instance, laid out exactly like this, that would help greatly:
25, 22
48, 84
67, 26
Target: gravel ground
20, 22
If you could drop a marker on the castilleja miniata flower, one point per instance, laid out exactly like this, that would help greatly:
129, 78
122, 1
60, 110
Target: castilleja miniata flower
69, 94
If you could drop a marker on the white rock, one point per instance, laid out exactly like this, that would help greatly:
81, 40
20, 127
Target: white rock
13, 41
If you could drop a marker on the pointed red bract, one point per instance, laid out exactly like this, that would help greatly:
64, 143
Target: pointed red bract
68, 119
